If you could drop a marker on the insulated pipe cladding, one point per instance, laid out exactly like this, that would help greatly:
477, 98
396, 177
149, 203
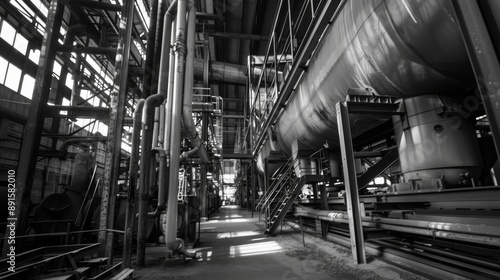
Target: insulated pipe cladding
405, 49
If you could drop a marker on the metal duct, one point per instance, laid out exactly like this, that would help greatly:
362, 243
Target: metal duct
230, 73
399, 48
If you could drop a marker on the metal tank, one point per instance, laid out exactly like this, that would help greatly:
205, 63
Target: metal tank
396, 47
436, 144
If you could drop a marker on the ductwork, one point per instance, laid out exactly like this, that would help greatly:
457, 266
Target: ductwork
230, 73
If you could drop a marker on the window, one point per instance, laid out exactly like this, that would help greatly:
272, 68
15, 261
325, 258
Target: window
34, 55
8, 33
28, 86
21, 44
13, 77
3, 69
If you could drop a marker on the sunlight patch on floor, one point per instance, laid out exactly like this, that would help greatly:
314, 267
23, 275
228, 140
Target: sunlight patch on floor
237, 234
261, 248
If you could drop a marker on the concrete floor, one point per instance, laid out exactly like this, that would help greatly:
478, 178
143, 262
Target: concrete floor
233, 246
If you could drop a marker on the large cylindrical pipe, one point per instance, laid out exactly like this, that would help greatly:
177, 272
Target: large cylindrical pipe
187, 109
171, 240
399, 48
230, 73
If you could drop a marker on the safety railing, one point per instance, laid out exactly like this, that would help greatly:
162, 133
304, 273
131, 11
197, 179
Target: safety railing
214, 105
286, 180
292, 21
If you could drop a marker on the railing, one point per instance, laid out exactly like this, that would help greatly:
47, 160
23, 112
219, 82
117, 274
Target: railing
292, 21
213, 104
182, 191
286, 180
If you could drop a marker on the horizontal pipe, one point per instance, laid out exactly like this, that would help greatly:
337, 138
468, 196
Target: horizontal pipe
481, 234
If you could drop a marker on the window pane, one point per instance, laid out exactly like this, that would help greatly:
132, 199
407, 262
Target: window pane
57, 68
21, 44
28, 86
34, 55
8, 33
13, 77
3, 69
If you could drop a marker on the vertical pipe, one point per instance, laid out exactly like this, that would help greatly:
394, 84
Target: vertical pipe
148, 80
203, 172
187, 109
146, 141
160, 25
252, 181
116, 120
131, 192
161, 178
169, 88
151, 102
174, 244
484, 61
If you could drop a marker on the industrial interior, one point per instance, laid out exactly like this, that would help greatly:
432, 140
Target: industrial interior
126, 126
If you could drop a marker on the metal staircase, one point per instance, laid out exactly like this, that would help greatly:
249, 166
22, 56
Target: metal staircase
283, 204
282, 193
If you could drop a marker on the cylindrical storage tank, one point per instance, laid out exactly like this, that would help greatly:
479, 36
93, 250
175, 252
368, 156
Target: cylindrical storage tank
435, 141
398, 48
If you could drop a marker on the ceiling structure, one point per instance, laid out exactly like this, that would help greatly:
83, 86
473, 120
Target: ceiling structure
233, 30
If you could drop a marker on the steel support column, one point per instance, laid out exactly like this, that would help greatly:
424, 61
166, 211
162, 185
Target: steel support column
132, 185
351, 184
117, 117
34, 125
484, 61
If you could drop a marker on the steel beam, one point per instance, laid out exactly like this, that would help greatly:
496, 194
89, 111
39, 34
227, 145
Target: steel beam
34, 126
117, 116
351, 184
97, 5
484, 61
77, 112
389, 159
89, 50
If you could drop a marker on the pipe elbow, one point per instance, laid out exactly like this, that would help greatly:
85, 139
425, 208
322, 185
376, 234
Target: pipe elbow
177, 246
151, 102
